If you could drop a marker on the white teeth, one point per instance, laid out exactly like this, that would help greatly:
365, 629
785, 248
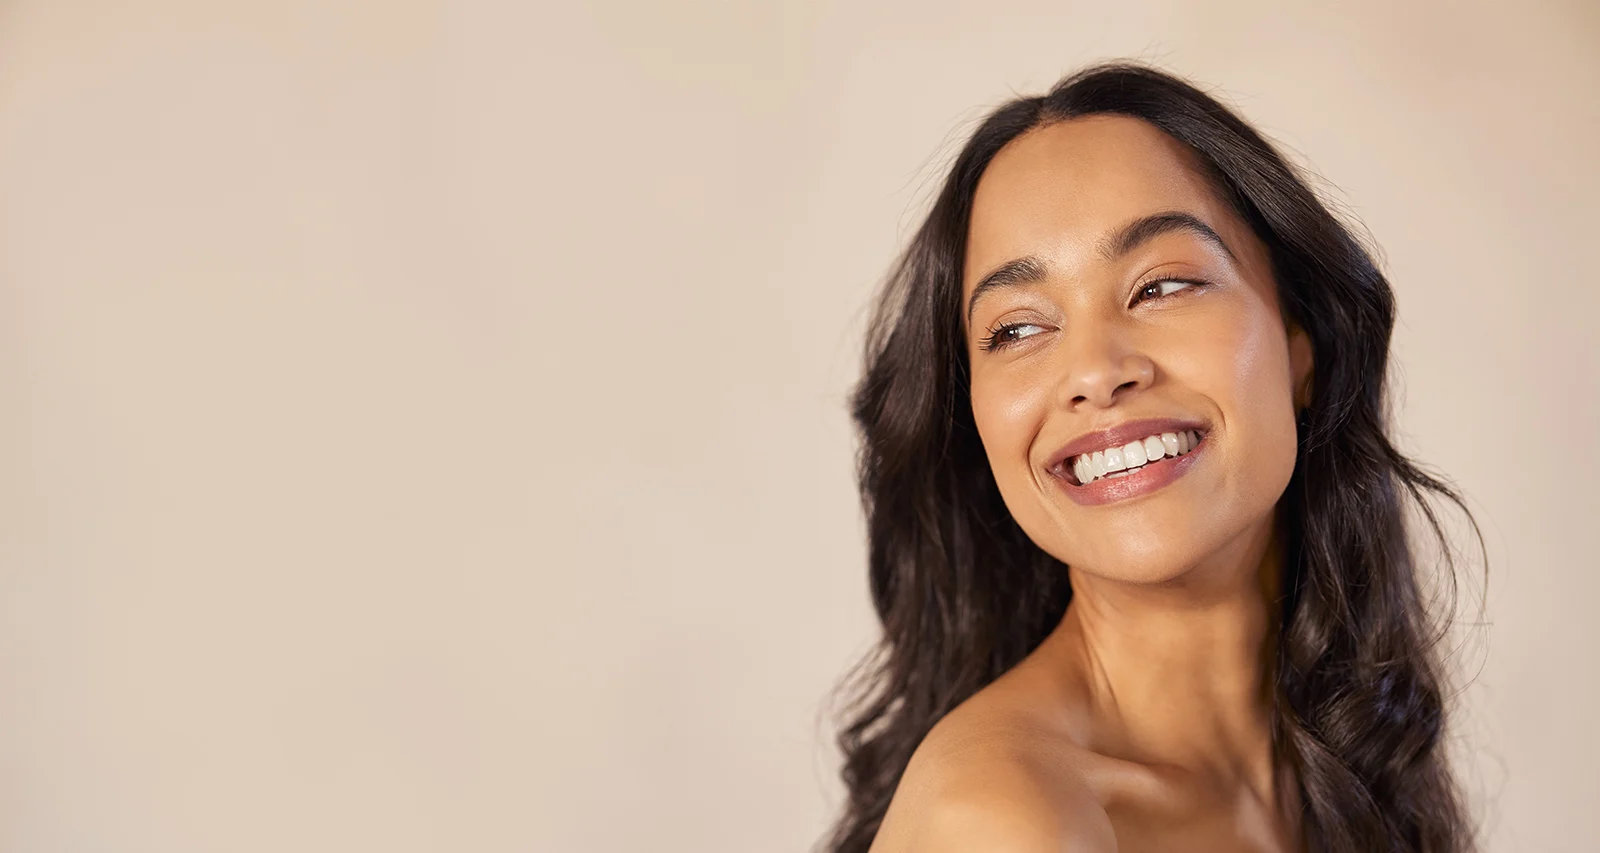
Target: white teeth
1114, 461
1124, 460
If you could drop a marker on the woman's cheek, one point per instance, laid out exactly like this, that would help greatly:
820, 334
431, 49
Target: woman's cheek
1010, 412
1265, 403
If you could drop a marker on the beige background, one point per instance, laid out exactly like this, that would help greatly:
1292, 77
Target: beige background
423, 423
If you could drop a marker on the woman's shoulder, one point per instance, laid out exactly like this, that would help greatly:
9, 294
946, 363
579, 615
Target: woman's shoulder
995, 774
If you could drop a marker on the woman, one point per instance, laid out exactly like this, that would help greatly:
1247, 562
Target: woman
1137, 536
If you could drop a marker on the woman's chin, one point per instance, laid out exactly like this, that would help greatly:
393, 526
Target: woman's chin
1142, 574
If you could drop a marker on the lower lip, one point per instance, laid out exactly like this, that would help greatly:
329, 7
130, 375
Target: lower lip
1153, 476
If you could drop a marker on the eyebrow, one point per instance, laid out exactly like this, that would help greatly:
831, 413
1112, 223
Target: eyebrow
1029, 269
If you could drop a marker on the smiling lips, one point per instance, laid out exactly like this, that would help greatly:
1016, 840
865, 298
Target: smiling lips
1121, 461
1128, 460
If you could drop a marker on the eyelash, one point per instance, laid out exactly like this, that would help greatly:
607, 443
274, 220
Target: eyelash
993, 340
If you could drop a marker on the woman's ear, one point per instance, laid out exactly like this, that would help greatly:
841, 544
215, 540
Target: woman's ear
1300, 366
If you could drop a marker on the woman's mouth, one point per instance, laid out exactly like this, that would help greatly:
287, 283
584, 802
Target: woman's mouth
1128, 470
1123, 460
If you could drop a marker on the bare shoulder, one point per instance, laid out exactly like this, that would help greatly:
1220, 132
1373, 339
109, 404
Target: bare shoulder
987, 778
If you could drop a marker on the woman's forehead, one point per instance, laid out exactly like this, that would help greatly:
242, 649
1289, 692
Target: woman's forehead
1057, 190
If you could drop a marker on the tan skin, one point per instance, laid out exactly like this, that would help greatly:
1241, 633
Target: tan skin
1143, 720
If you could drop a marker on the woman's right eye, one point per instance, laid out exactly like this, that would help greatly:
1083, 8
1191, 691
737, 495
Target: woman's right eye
1006, 335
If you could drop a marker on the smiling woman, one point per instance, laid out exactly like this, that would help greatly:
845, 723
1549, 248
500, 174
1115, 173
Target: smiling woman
1137, 533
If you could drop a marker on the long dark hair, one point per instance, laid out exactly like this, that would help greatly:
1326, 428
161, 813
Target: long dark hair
963, 594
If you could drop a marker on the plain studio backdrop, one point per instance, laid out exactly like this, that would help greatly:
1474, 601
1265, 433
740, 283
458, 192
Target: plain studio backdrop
424, 424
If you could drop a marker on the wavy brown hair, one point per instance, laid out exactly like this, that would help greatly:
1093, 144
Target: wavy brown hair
963, 594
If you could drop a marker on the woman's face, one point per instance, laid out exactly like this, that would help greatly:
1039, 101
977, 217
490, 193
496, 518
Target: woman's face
1116, 287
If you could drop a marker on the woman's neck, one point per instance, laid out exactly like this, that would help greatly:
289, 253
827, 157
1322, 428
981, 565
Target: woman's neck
1179, 673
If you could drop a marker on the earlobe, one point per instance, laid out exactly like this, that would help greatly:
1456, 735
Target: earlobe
1301, 366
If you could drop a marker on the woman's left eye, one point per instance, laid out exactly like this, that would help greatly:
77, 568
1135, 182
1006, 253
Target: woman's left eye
1164, 287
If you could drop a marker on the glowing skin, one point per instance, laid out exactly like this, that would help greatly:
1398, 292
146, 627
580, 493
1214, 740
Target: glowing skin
1145, 714
1217, 352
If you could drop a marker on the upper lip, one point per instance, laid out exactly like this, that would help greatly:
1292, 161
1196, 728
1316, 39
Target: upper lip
1119, 435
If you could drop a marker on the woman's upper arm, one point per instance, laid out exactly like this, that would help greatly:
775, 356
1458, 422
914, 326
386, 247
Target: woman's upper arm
1016, 821
998, 811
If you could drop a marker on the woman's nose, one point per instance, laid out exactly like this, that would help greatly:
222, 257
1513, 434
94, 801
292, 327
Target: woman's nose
1100, 368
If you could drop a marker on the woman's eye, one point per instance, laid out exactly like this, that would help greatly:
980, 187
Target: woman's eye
1164, 287
1008, 334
